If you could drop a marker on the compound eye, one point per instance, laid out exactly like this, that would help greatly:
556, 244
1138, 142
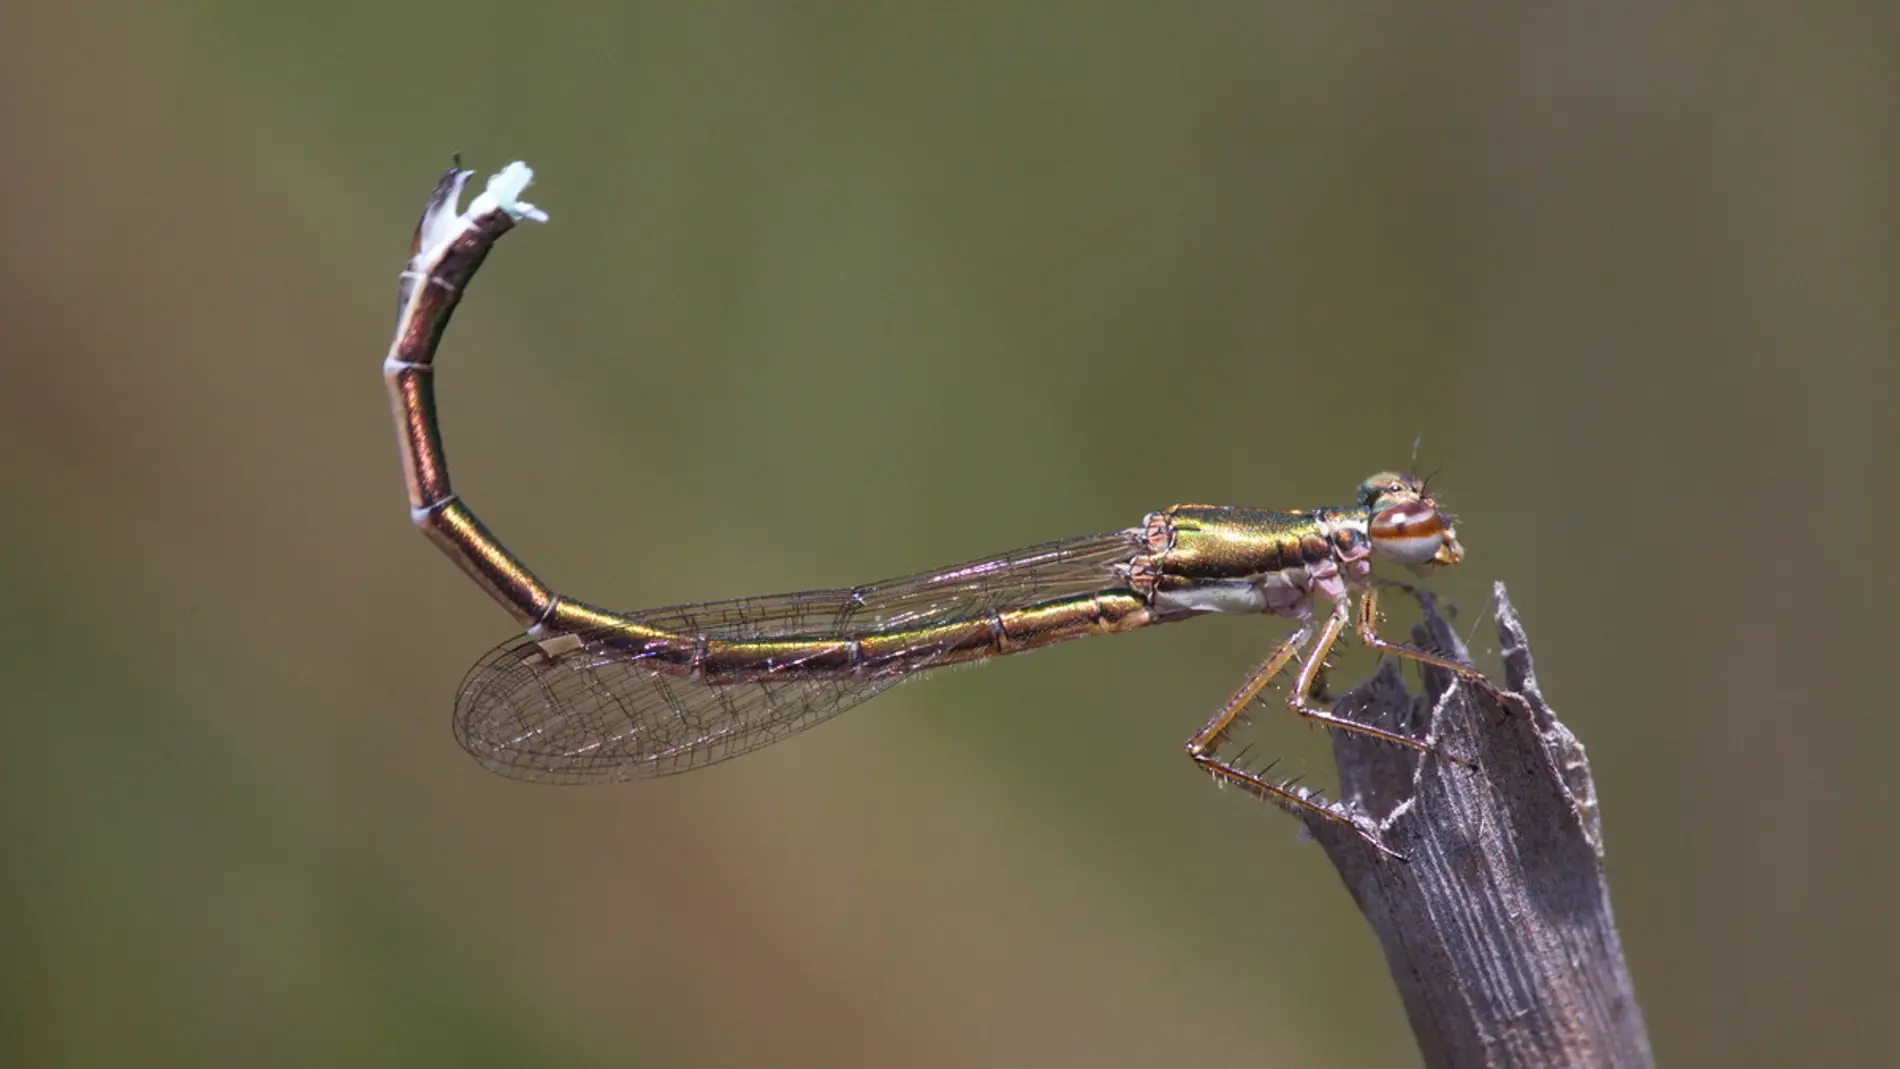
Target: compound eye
1410, 532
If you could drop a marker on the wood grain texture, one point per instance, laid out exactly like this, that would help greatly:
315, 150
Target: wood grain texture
1498, 929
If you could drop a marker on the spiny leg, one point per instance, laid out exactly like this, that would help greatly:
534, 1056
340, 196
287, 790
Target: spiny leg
1300, 700
1368, 633
1204, 748
1207, 741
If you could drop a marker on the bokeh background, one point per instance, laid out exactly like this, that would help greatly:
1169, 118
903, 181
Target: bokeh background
836, 294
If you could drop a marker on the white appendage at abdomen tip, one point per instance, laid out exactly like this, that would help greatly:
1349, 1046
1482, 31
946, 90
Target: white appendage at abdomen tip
504, 191
443, 223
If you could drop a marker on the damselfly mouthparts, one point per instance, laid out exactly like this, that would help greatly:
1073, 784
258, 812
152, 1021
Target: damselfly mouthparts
589, 695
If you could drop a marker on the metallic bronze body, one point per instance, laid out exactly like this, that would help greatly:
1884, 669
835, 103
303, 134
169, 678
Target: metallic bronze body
425, 302
588, 694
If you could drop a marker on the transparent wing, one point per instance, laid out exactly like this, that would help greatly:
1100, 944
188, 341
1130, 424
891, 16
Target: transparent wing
599, 712
575, 720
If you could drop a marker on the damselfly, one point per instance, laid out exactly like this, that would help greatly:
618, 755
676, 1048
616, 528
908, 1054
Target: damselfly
589, 695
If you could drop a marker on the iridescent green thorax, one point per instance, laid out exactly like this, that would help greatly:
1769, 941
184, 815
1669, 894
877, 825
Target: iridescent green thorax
1217, 558
1225, 542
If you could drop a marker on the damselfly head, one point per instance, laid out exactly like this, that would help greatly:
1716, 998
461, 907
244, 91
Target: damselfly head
1405, 522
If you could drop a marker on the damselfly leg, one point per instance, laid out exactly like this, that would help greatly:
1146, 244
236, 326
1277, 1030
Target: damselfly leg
1301, 700
1205, 745
1369, 634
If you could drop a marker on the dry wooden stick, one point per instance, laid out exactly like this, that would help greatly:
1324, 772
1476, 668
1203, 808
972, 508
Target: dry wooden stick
1498, 928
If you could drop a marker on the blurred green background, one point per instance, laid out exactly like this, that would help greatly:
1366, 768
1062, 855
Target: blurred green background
838, 293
